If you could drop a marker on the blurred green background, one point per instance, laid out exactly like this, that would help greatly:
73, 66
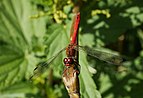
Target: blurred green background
32, 31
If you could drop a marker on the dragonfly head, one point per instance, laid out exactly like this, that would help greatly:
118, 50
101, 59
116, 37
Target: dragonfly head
68, 61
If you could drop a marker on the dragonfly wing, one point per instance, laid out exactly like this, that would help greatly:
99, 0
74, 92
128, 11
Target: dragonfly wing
104, 56
42, 67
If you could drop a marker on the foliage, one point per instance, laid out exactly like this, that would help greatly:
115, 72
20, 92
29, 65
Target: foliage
32, 31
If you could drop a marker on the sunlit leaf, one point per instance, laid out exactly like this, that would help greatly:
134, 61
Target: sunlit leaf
87, 85
16, 32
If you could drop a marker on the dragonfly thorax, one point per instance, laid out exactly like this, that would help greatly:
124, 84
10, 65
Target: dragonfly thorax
70, 51
68, 61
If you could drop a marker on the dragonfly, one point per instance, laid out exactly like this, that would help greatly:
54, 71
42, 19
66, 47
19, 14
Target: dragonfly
71, 71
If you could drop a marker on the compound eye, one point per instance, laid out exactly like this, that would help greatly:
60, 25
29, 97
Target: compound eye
65, 60
70, 61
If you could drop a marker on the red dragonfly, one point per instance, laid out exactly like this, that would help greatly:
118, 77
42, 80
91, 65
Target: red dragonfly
104, 56
71, 70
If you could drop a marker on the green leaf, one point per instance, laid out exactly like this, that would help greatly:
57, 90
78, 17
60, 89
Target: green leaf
87, 85
17, 59
18, 90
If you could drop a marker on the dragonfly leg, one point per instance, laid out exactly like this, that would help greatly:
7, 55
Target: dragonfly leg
77, 67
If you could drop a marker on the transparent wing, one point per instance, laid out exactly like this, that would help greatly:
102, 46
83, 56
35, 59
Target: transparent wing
44, 65
104, 56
